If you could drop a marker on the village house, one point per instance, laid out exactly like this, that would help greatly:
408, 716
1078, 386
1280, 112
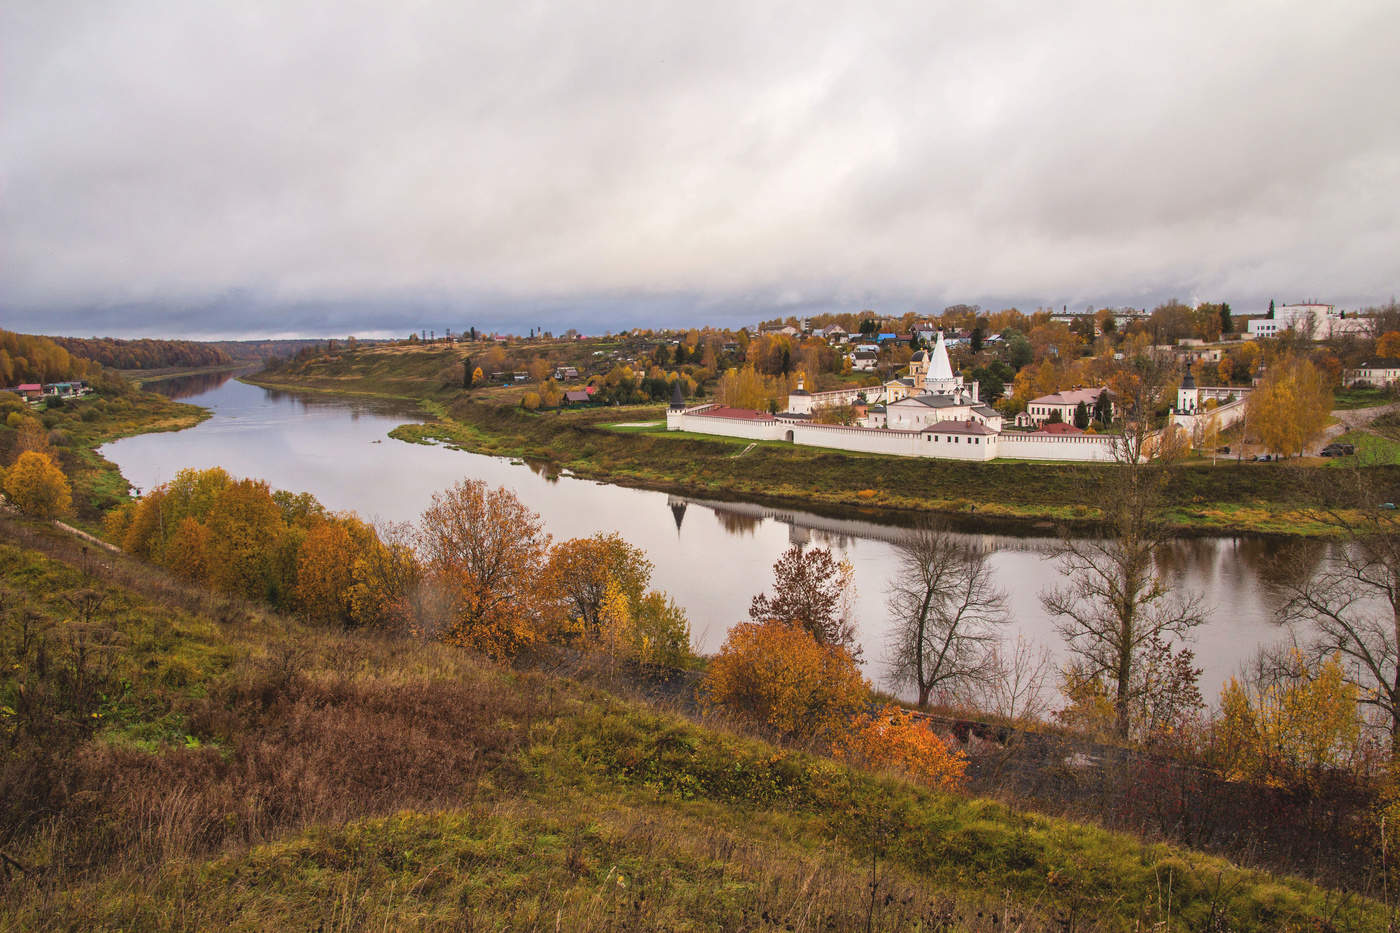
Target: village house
864, 361
1381, 371
1040, 410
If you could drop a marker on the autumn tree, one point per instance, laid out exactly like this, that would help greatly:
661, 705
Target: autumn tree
581, 569
484, 549
946, 609
37, 487
326, 565
746, 388
388, 591
892, 740
246, 530
1290, 406
1350, 605
775, 677
1388, 344
1289, 725
813, 590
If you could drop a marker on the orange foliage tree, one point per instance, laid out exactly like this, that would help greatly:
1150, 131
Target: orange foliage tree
1388, 344
891, 740
776, 678
326, 567
484, 550
37, 487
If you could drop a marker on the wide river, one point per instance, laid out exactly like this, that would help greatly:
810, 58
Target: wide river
711, 557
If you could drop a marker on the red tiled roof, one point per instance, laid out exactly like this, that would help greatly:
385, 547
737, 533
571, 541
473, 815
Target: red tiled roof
1057, 428
738, 414
31, 387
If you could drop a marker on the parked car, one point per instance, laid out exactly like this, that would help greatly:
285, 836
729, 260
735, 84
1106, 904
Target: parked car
1338, 450
1263, 458
1223, 449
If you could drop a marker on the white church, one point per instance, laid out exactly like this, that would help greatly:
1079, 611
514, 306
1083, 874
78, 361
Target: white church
931, 412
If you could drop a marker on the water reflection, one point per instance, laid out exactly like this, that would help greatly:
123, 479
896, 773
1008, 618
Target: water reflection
182, 387
337, 449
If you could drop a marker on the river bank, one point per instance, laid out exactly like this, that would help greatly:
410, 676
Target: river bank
1224, 498
83, 425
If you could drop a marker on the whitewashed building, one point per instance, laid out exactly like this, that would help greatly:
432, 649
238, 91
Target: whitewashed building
1382, 371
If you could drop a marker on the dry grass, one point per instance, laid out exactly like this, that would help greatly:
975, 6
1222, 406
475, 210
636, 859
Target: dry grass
249, 772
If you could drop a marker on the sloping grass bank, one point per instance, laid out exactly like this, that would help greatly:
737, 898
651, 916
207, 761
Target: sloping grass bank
217, 766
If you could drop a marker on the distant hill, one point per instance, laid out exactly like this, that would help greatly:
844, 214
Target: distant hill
257, 351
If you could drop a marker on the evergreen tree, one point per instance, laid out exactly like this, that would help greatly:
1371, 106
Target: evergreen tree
977, 340
1227, 324
467, 372
1271, 309
1081, 416
1103, 408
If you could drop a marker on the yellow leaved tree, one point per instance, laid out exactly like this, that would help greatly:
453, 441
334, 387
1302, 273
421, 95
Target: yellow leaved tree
776, 678
37, 487
1290, 407
1289, 730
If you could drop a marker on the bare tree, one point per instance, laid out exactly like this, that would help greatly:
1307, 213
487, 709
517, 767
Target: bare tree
1351, 604
1017, 691
1115, 604
946, 609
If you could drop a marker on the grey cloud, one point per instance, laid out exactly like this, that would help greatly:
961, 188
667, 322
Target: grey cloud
323, 165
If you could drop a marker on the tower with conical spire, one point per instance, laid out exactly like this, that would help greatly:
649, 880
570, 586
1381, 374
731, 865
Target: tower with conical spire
677, 396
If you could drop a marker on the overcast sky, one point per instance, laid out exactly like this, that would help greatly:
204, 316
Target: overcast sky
298, 168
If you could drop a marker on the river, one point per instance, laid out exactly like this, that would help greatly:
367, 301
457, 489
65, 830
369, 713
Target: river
711, 557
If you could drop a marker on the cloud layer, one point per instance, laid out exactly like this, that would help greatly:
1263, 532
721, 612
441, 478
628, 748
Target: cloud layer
316, 167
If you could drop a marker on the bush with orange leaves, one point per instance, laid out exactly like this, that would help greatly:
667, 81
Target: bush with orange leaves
892, 740
775, 677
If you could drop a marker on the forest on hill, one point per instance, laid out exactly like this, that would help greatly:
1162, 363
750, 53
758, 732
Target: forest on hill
144, 353
29, 358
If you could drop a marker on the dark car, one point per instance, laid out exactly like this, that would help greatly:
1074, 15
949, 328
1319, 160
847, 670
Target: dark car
1338, 450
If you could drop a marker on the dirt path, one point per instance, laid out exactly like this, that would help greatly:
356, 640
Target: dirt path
1349, 419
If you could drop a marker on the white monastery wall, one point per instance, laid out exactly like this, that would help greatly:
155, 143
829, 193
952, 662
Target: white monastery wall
1085, 447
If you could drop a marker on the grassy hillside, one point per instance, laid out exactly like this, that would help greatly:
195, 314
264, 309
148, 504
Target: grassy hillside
175, 760
1207, 498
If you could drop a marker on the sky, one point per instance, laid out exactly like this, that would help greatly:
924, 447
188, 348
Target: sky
320, 169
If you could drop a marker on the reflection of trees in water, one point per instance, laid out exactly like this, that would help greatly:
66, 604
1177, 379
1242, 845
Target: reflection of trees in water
545, 469
736, 523
354, 406
178, 387
1180, 557
677, 511
1277, 563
